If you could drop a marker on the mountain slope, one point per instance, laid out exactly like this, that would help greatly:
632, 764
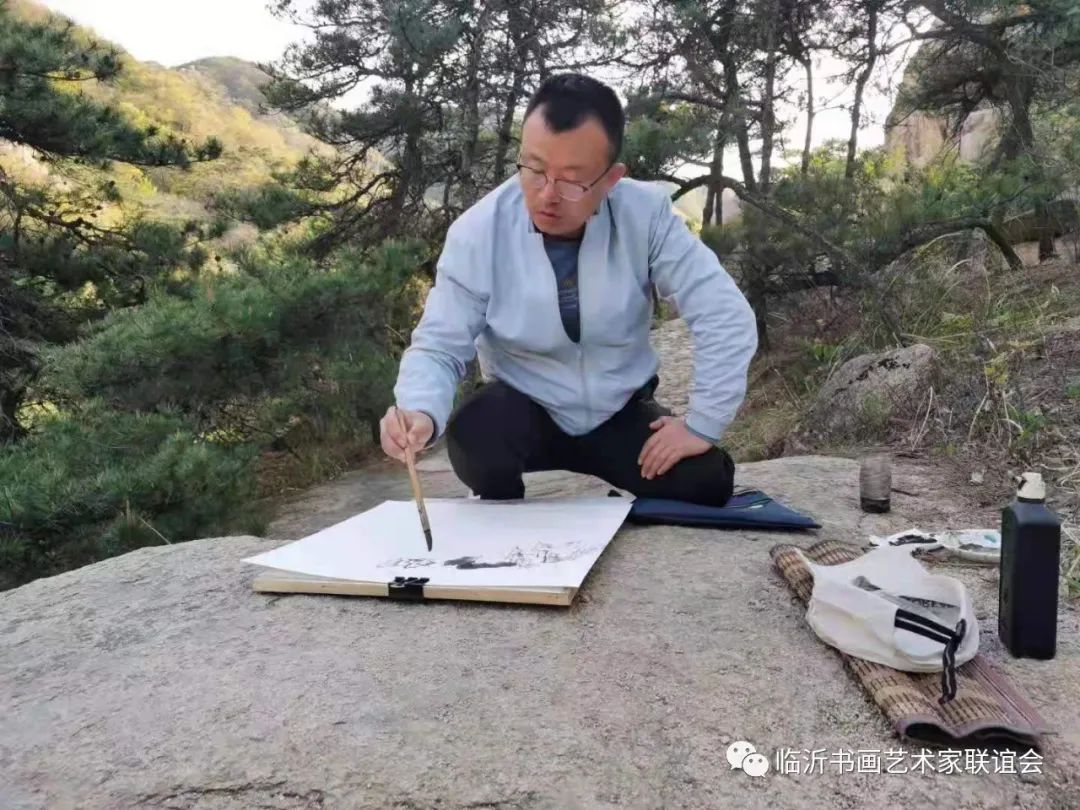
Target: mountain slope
216, 100
240, 83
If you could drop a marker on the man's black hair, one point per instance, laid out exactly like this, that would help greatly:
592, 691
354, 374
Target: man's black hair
568, 99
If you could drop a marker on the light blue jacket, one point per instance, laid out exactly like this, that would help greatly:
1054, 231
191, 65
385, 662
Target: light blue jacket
495, 295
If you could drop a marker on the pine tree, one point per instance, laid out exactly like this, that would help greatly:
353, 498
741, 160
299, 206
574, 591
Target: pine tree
51, 242
1018, 58
441, 84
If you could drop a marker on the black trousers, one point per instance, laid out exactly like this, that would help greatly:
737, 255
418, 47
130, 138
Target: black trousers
499, 433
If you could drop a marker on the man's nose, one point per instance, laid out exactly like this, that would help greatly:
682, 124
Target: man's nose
548, 193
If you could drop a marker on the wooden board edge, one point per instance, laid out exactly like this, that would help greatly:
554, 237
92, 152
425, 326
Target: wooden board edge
283, 583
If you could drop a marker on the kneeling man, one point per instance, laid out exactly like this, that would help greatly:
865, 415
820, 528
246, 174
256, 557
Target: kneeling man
548, 279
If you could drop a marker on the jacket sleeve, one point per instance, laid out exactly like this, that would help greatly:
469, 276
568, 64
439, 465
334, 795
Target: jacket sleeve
443, 342
721, 322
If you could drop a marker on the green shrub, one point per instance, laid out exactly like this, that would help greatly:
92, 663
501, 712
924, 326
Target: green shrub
823, 353
266, 206
94, 484
872, 418
252, 354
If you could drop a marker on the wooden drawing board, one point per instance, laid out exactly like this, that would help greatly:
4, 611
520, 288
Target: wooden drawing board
285, 582
533, 551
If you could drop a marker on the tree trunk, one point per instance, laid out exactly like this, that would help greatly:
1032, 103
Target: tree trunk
506, 129
733, 106
1044, 221
411, 163
768, 122
710, 202
16, 235
519, 57
860, 87
757, 297
742, 138
447, 214
808, 64
714, 203
471, 109
10, 402
408, 169
1019, 94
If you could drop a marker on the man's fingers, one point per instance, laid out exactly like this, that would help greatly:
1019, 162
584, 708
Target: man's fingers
651, 459
420, 429
394, 431
646, 454
391, 448
658, 439
417, 440
647, 448
669, 461
648, 469
393, 439
663, 461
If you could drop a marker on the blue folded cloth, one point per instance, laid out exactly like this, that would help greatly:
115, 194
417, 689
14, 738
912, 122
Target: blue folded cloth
747, 509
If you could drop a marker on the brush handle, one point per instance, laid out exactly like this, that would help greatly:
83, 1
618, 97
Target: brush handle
414, 479
417, 494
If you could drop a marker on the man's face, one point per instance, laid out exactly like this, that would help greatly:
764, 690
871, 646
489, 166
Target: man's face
579, 156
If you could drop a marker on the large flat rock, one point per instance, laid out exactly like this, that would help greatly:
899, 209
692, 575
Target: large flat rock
160, 680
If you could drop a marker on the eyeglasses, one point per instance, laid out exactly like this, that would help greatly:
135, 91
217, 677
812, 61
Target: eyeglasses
567, 189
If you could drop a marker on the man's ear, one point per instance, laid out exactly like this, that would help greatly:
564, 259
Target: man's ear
616, 173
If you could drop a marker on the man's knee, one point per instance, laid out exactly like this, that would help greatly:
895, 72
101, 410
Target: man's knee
477, 421
478, 442
709, 479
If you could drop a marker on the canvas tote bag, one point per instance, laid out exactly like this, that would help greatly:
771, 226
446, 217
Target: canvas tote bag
887, 608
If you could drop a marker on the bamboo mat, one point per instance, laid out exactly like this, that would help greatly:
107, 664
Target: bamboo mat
988, 711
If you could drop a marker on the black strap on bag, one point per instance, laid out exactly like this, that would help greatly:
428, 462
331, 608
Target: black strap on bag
920, 625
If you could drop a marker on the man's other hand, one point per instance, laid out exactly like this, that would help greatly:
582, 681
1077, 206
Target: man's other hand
418, 430
670, 444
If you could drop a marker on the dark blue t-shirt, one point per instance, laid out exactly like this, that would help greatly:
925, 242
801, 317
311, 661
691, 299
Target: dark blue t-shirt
563, 254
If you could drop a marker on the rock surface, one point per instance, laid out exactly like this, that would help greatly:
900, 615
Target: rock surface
1064, 216
868, 390
160, 680
918, 136
672, 342
921, 137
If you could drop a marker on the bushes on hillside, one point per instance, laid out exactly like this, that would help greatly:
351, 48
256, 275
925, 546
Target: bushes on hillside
251, 352
150, 428
266, 206
94, 483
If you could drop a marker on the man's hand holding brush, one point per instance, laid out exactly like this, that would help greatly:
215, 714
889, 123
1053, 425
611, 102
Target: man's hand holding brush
402, 434
415, 435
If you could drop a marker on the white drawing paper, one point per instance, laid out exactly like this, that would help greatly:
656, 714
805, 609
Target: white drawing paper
546, 542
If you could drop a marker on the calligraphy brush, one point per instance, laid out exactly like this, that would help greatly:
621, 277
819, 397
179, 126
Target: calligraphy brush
410, 461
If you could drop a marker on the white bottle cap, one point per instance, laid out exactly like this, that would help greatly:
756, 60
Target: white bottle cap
1032, 487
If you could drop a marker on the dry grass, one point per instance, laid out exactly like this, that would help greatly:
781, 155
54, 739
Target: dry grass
281, 472
1006, 398
763, 434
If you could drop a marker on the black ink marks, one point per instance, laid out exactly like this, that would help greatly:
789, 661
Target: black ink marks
470, 564
543, 553
518, 557
408, 562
